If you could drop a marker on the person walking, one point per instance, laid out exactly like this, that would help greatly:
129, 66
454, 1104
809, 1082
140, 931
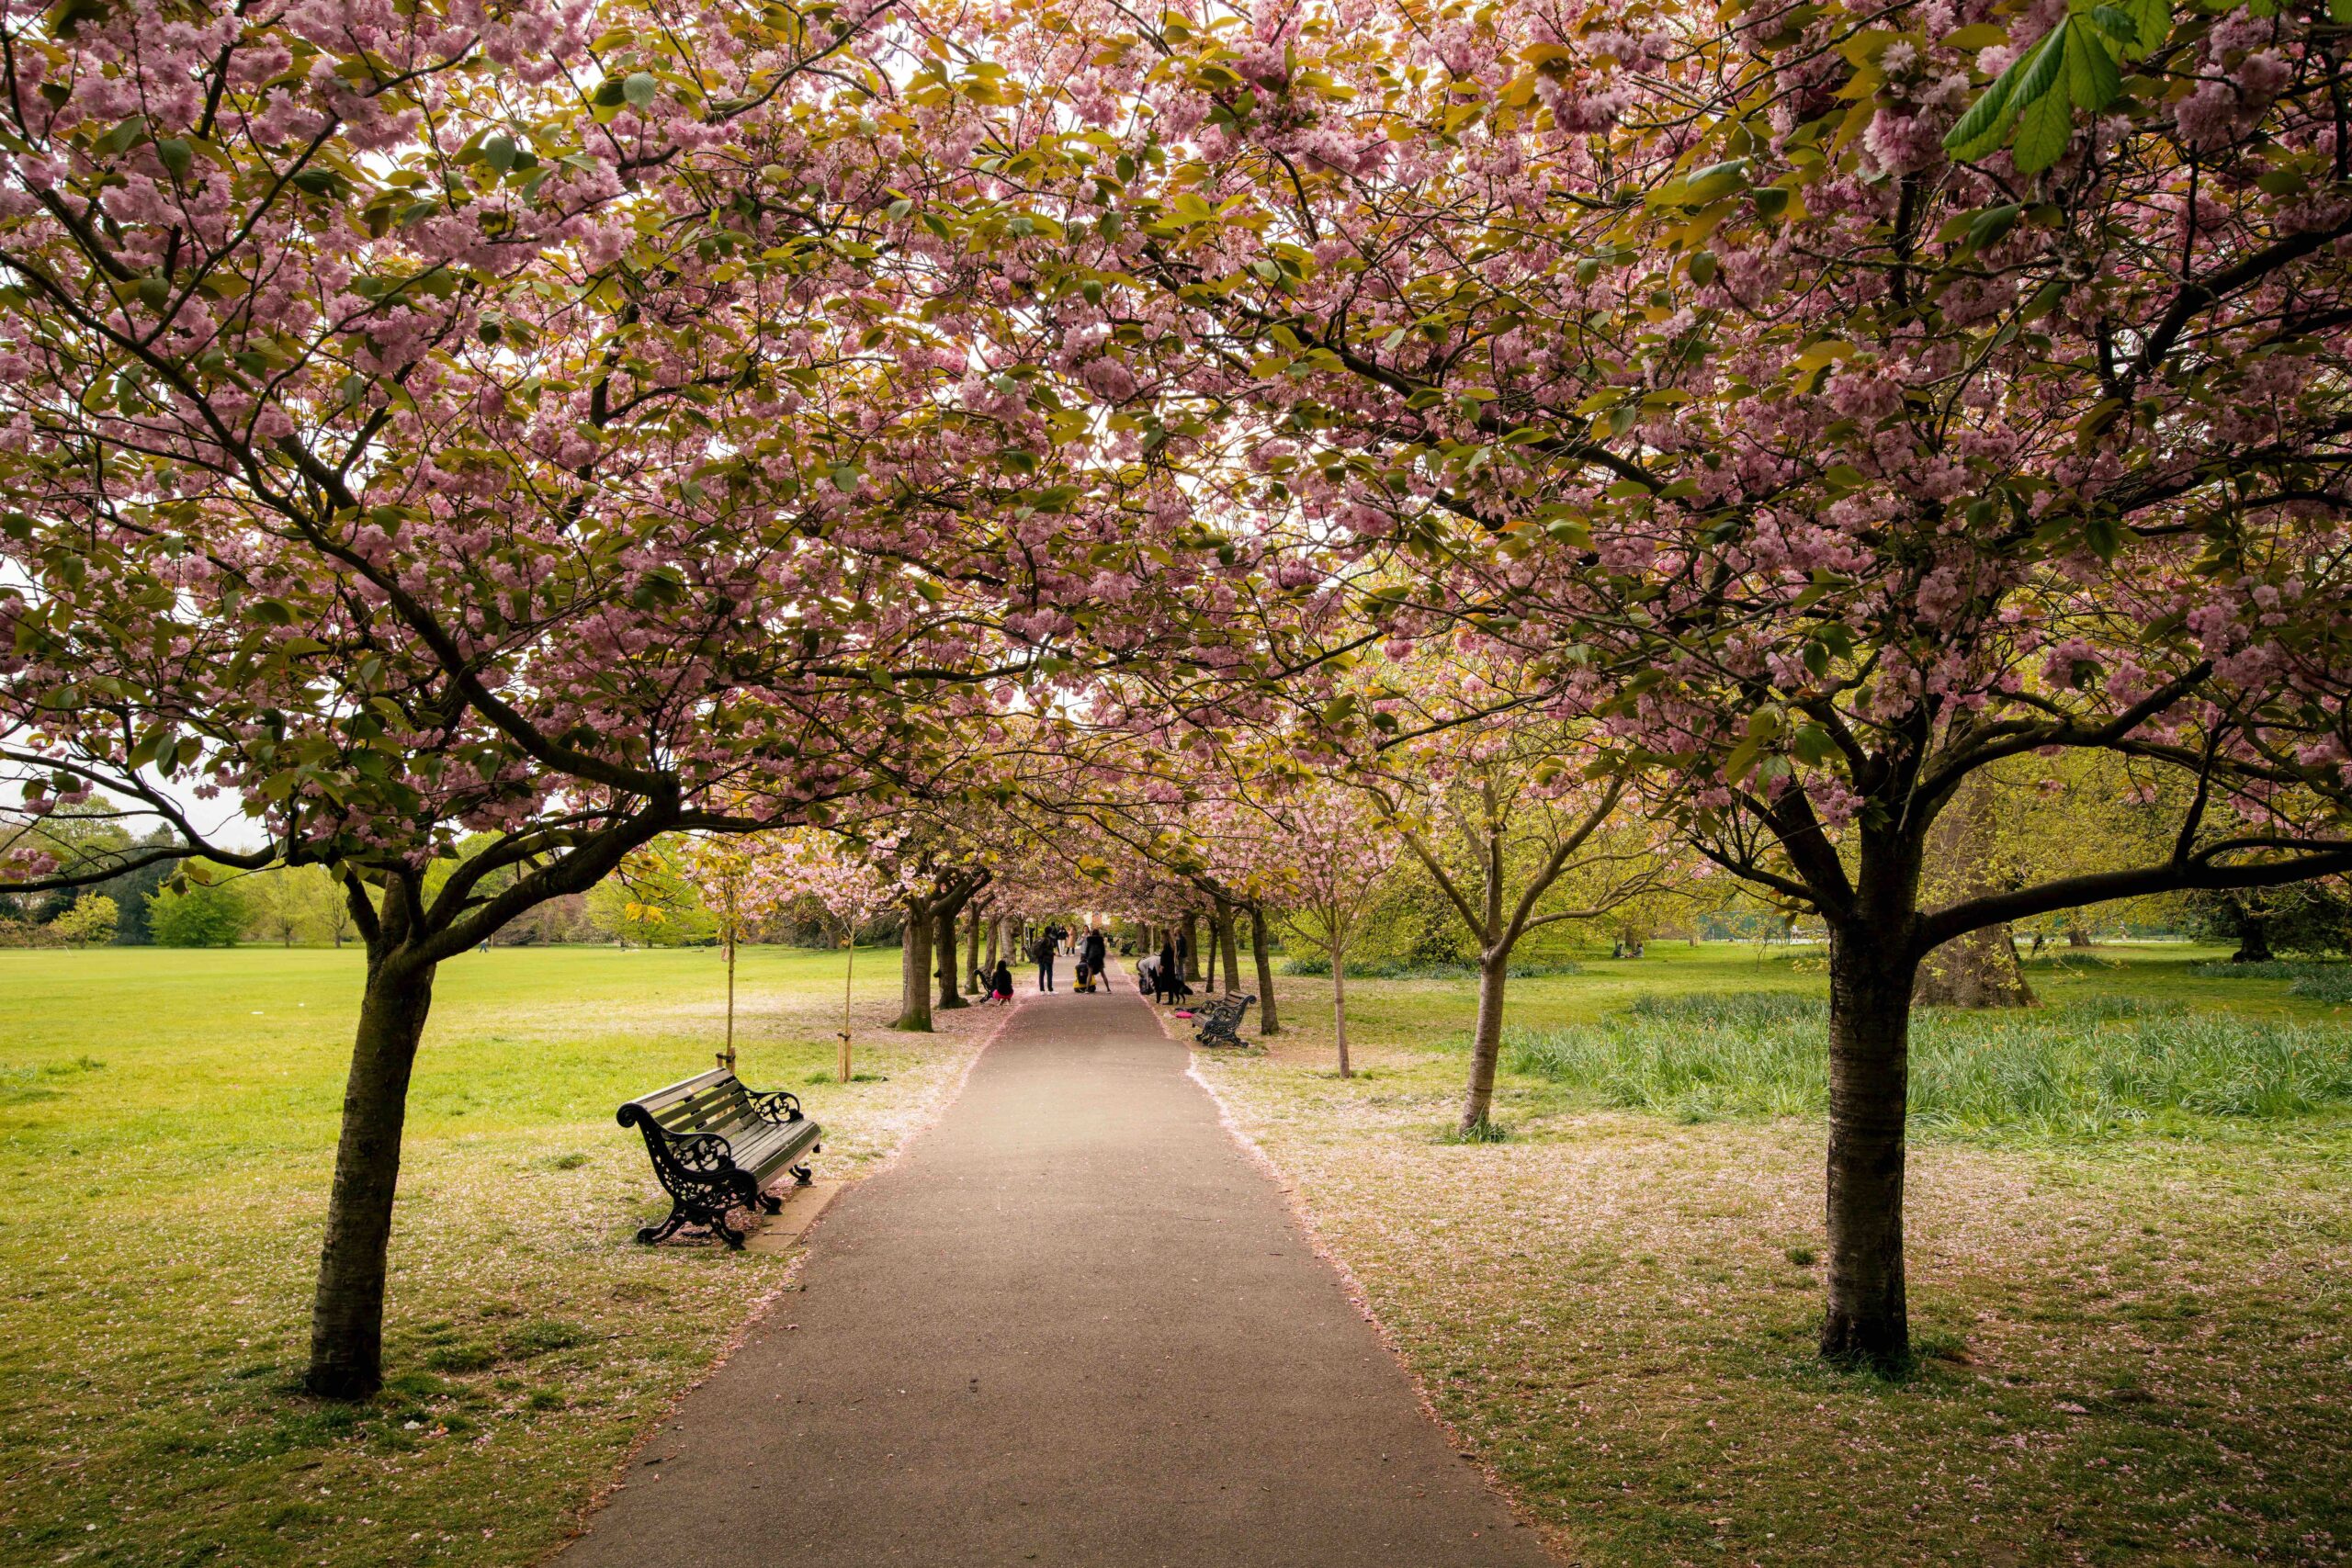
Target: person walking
1097, 951
1044, 953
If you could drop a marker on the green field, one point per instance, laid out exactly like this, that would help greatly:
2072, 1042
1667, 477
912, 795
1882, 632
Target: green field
167, 1123
2131, 1249
2131, 1244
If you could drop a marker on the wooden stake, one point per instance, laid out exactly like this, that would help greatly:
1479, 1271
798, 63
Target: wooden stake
730, 1057
849, 963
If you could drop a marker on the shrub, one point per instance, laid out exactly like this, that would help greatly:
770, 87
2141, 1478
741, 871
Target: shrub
200, 914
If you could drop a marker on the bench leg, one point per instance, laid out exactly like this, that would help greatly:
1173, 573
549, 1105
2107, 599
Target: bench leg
771, 1205
727, 1233
802, 1176
667, 1228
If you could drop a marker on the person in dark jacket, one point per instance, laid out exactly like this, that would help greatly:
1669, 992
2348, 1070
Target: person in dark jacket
1098, 952
1168, 976
1044, 953
1001, 983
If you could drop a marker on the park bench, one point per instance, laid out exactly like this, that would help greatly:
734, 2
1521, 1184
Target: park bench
717, 1144
1219, 1020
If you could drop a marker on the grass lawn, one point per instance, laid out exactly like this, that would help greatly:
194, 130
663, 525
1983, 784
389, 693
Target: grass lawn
168, 1125
2135, 1328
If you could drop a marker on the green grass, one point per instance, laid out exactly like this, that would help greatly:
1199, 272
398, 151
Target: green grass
167, 1124
2093, 1067
1406, 969
2130, 1251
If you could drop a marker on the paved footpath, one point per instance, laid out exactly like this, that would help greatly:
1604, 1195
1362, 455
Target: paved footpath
1074, 1324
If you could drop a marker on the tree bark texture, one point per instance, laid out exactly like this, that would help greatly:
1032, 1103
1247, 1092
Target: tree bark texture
1268, 1023
348, 1311
1339, 1007
914, 969
1871, 975
945, 949
1486, 1040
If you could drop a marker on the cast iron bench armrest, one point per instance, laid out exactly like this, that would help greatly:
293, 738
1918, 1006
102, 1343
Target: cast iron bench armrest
776, 1105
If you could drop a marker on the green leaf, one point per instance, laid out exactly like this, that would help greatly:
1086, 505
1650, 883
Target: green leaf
640, 88
2152, 20
1991, 225
1987, 124
2091, 75
123, 137
177, 156
2042, 132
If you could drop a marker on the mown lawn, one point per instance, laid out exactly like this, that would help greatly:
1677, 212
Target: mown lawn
167, 1123
2135, 1325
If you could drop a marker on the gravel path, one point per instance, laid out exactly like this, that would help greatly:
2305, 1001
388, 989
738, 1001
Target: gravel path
1074, 1324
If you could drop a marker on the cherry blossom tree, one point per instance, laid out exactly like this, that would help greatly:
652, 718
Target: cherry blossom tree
1518, 817
846, 879
1334, 852
1829, 437
428, 421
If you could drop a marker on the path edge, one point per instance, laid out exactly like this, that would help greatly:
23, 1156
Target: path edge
946, 1095
1556, 1541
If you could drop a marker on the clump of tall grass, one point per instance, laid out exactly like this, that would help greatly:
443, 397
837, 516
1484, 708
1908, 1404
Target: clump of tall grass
2328, 983
2089, 1069
2268, 969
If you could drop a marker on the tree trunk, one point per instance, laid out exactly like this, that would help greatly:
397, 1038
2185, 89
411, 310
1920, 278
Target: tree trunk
348, 1312
727, 1057
1964, 861
1870, 1021
1339, 1007
1267, 1022
972, 964
914, 969
2254, 939
1191, 956
943, 946
996, 942
1979, 970
1486, 1040
1208, 969
2077, 936
1226, 946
